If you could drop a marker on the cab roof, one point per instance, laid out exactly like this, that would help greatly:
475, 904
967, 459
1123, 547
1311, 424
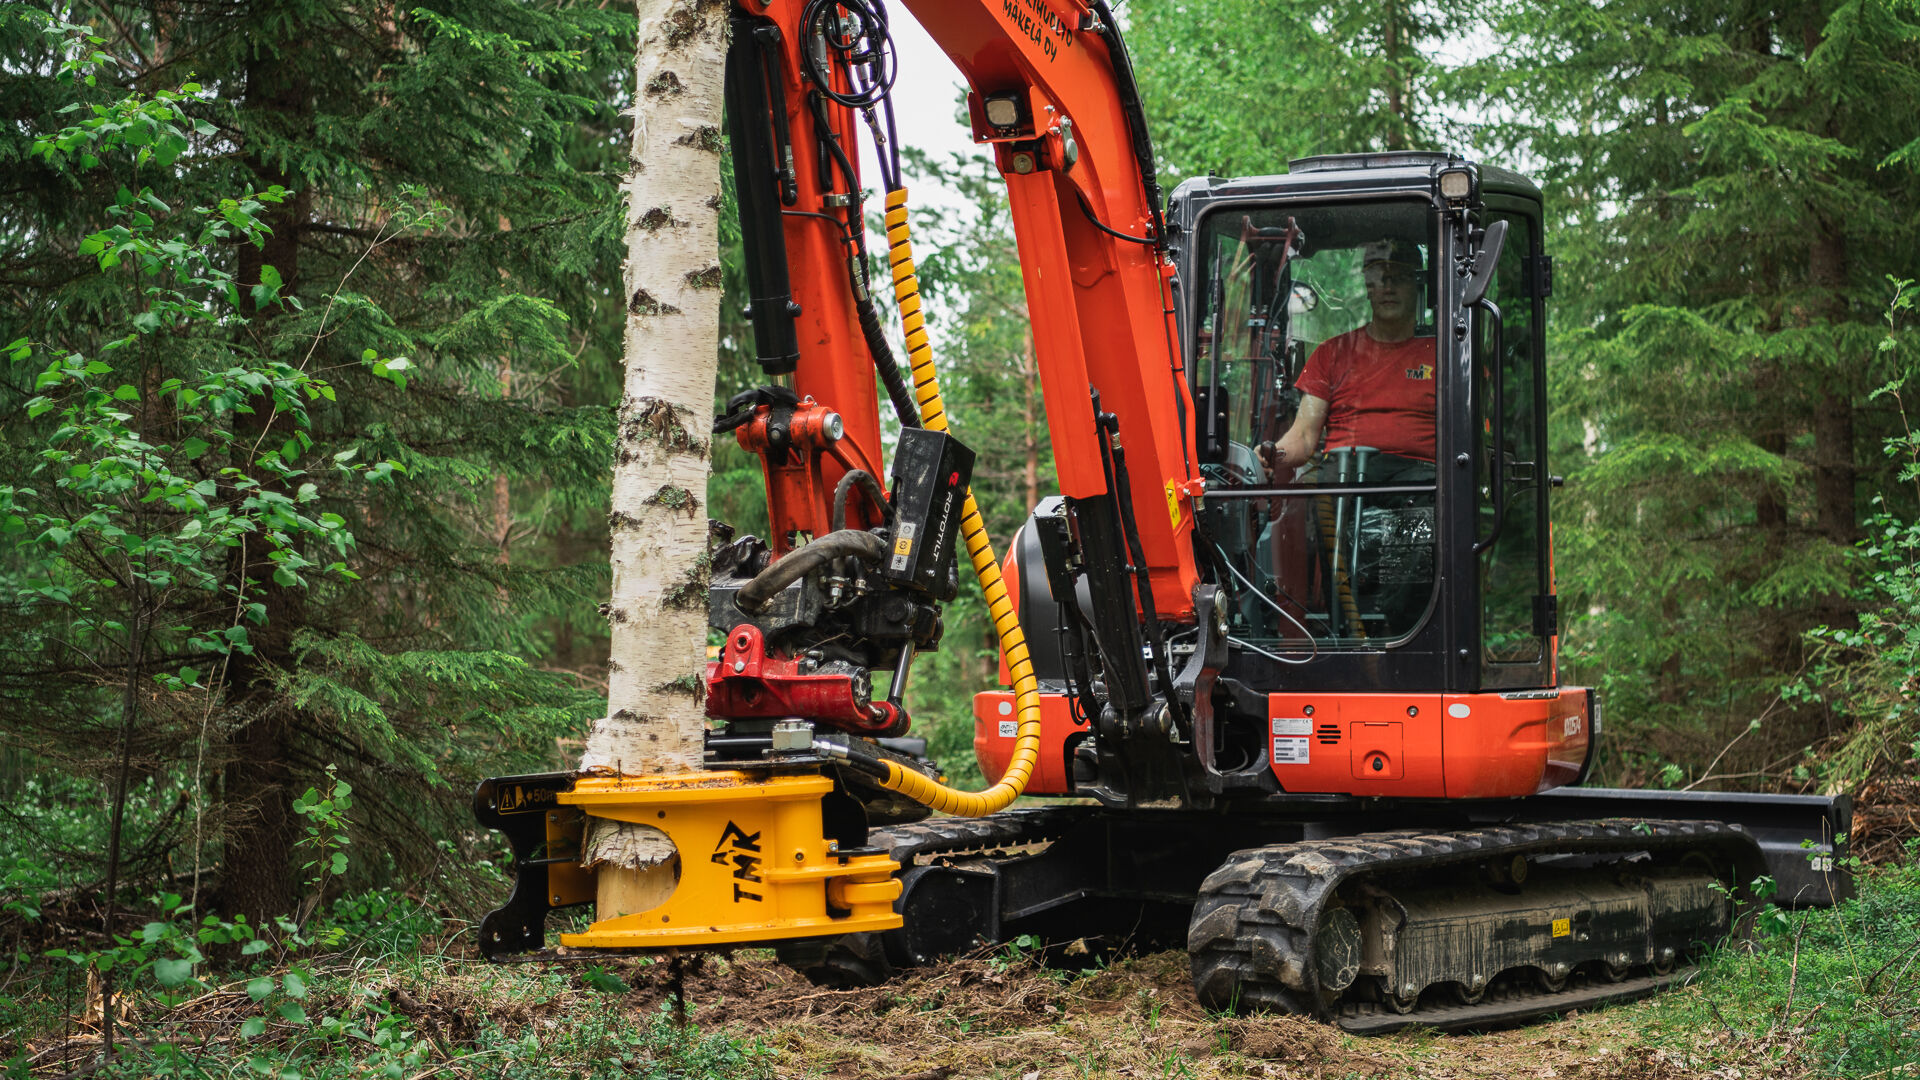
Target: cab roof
1399, 170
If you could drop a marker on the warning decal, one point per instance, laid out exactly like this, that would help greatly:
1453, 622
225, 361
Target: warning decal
903, 545
1562, 927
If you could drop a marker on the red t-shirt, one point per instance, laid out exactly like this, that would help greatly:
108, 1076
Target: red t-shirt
1377, 395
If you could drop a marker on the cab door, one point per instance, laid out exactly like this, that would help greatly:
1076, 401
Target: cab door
1517, 612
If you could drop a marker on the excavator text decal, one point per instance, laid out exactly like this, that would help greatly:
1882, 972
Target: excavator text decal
1038, 22
743, 850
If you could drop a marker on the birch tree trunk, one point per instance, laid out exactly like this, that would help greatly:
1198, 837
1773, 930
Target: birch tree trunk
655, 719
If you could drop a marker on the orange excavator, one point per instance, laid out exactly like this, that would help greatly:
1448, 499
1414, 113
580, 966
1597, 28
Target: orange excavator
1301, 716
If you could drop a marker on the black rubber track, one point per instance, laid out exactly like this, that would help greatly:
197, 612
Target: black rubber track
862, 959
953, 836
1251, 938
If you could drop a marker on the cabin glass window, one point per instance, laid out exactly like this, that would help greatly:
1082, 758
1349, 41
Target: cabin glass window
1331, 309
1510, 468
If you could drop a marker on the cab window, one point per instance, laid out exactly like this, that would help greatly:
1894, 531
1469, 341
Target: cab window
1316, 373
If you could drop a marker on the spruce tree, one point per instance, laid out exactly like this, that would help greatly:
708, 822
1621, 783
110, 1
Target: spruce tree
441, 261
1735, 184
1241, 86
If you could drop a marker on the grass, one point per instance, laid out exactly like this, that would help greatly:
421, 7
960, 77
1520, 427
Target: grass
399, 1017
1820, 993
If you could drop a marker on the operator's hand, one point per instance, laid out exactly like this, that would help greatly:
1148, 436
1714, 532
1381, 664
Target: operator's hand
1271, 456
1298, 445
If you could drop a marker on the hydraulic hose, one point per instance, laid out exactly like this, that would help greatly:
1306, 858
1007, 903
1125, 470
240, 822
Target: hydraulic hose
796, 563
973, 531
884, 364
868, 485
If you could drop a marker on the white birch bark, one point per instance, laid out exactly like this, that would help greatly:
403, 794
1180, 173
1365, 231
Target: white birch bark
658, 613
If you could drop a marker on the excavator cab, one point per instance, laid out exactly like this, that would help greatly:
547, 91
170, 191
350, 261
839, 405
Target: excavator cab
1363, 342
1343, 284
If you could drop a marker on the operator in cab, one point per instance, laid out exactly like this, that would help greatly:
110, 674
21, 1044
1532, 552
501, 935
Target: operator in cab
1370, 390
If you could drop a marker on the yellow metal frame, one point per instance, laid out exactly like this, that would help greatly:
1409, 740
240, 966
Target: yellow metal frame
753, 864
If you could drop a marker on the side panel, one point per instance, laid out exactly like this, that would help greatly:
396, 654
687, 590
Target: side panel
1503, 745
1427, 746
993, 732
1357, 744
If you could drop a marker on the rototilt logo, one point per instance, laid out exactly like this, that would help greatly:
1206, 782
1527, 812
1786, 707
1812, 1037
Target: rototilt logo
939, 537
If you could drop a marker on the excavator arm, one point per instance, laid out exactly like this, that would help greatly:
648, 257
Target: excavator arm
851, 578
1052, 95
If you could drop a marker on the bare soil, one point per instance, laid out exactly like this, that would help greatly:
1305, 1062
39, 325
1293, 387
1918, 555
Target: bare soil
1000, 1016
992, 1015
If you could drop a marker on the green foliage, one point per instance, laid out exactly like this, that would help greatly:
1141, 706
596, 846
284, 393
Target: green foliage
1022, 950
383, 922
324, 815
306, 413
397, 1016
166, 951
605, 981
1833, 989
116, 521
1290, 79
1727, 214
1868, 673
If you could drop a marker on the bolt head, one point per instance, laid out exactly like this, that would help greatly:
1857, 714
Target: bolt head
739, 666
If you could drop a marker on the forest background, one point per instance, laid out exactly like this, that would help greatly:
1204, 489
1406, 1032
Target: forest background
313, 348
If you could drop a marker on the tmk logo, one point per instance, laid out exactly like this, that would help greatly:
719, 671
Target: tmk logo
743, 850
